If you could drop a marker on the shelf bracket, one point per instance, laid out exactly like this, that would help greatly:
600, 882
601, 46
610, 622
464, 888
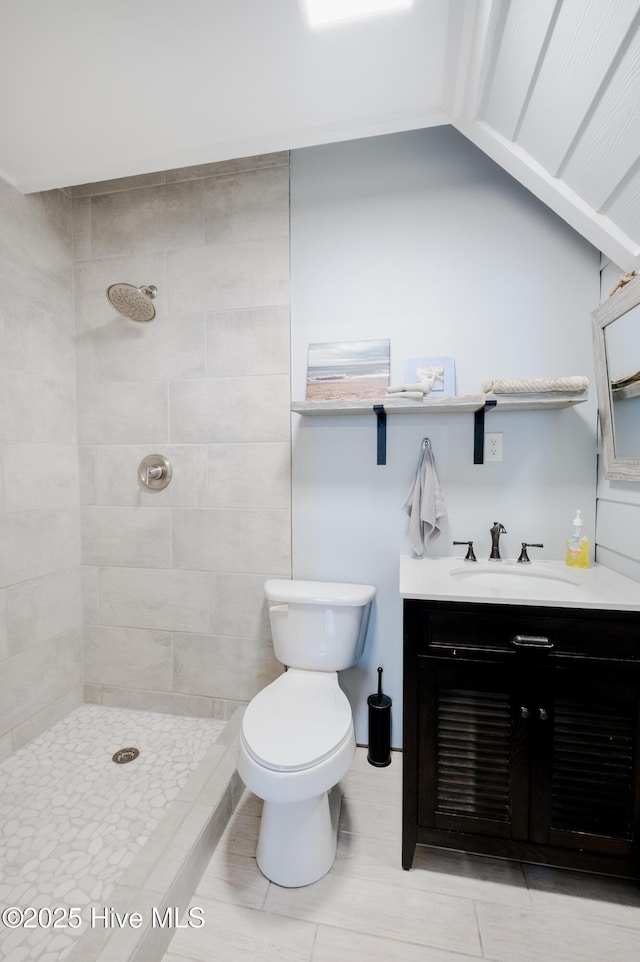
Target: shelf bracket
478, 430
381, 416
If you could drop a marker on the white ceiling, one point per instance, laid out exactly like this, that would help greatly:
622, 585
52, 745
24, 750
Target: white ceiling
549, 88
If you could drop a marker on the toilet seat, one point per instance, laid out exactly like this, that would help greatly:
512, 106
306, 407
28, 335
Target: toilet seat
297, 721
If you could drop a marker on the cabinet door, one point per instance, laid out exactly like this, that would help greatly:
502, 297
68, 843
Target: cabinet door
584, 772
472, 751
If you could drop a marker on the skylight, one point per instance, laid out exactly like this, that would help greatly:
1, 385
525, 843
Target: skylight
322, 12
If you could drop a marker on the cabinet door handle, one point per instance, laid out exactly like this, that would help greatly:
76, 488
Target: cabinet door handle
524, 711
543, 714
531, 641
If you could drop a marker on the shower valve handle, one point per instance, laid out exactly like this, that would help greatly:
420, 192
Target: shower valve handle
155, 472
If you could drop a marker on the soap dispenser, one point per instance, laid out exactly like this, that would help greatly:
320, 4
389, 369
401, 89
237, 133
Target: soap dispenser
578, 545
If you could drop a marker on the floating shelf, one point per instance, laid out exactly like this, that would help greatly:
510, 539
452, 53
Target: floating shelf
478, 404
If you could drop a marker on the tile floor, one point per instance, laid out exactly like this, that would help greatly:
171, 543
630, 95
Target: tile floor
71, 820
449, 908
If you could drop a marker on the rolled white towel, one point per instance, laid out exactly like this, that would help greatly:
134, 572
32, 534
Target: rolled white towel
536, 385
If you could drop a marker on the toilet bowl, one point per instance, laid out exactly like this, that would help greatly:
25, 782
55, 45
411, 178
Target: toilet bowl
297, 738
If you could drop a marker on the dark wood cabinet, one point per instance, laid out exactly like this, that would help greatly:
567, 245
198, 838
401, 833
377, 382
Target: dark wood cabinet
521, 730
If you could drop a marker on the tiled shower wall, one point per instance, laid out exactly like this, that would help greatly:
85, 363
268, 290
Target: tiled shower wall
173, 580
40, 637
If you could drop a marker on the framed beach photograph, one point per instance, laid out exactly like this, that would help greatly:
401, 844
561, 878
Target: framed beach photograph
438, 371
348, 370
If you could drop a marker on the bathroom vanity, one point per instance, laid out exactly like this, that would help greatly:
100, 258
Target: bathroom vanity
522, 712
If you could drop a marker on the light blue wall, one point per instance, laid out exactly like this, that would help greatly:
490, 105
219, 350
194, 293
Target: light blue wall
420, 238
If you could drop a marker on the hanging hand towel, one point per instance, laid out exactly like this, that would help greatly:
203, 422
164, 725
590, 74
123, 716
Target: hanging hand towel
424, 503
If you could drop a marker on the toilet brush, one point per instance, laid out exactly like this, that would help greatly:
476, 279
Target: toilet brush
379, 753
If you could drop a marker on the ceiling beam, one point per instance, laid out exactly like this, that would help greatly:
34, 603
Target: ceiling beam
598, 229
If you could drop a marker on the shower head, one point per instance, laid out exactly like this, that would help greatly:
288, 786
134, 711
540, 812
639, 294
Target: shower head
133, 302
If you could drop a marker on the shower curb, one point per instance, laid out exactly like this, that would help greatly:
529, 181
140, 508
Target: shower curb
159, 883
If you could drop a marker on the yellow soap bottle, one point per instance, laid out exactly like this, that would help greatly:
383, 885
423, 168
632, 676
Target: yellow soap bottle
578, 545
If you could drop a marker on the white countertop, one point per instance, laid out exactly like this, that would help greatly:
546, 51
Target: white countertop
544, 583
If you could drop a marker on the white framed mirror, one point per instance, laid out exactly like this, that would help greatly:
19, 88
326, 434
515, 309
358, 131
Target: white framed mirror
616, 345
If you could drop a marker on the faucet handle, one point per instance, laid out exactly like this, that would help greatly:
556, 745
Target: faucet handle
524, 557
470, 556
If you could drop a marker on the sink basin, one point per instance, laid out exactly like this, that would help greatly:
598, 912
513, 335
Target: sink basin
512, 575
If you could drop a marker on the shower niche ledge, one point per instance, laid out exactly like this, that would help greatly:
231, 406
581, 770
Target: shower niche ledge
478, 404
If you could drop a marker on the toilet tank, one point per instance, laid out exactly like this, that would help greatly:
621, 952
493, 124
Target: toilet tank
318, 625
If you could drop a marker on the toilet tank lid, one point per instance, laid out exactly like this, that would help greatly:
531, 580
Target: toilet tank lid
318, 592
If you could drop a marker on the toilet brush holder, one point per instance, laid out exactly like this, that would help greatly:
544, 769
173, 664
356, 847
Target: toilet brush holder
379, 753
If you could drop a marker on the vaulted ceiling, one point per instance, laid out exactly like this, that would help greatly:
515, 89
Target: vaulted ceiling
550, 89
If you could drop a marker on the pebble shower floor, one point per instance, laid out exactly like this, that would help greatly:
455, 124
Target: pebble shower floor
71, 820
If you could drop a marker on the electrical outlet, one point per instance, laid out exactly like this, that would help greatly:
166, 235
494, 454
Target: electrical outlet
493, 447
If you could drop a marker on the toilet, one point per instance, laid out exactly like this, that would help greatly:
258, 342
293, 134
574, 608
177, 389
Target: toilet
297, 738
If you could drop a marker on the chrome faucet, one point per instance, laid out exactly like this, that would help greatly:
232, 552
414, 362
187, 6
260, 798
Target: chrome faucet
495, 533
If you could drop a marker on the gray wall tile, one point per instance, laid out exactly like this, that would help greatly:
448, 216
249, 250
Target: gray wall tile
214, 240
247, 205
226, 667
118, 536
120, 413
248, 540
155, 598
162, 217
41, 608
25, 691
87, 474
238, 605
250, 342
4, 647
167, 348
128, 658
211, 369
36, 339
39, 521
38, 543
165, 702
82, 228
230, 409
40, 476
49, 714
250, 474
51, 419
90, 595
226, 276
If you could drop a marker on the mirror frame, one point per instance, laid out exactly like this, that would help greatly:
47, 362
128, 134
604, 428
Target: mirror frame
626, 298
